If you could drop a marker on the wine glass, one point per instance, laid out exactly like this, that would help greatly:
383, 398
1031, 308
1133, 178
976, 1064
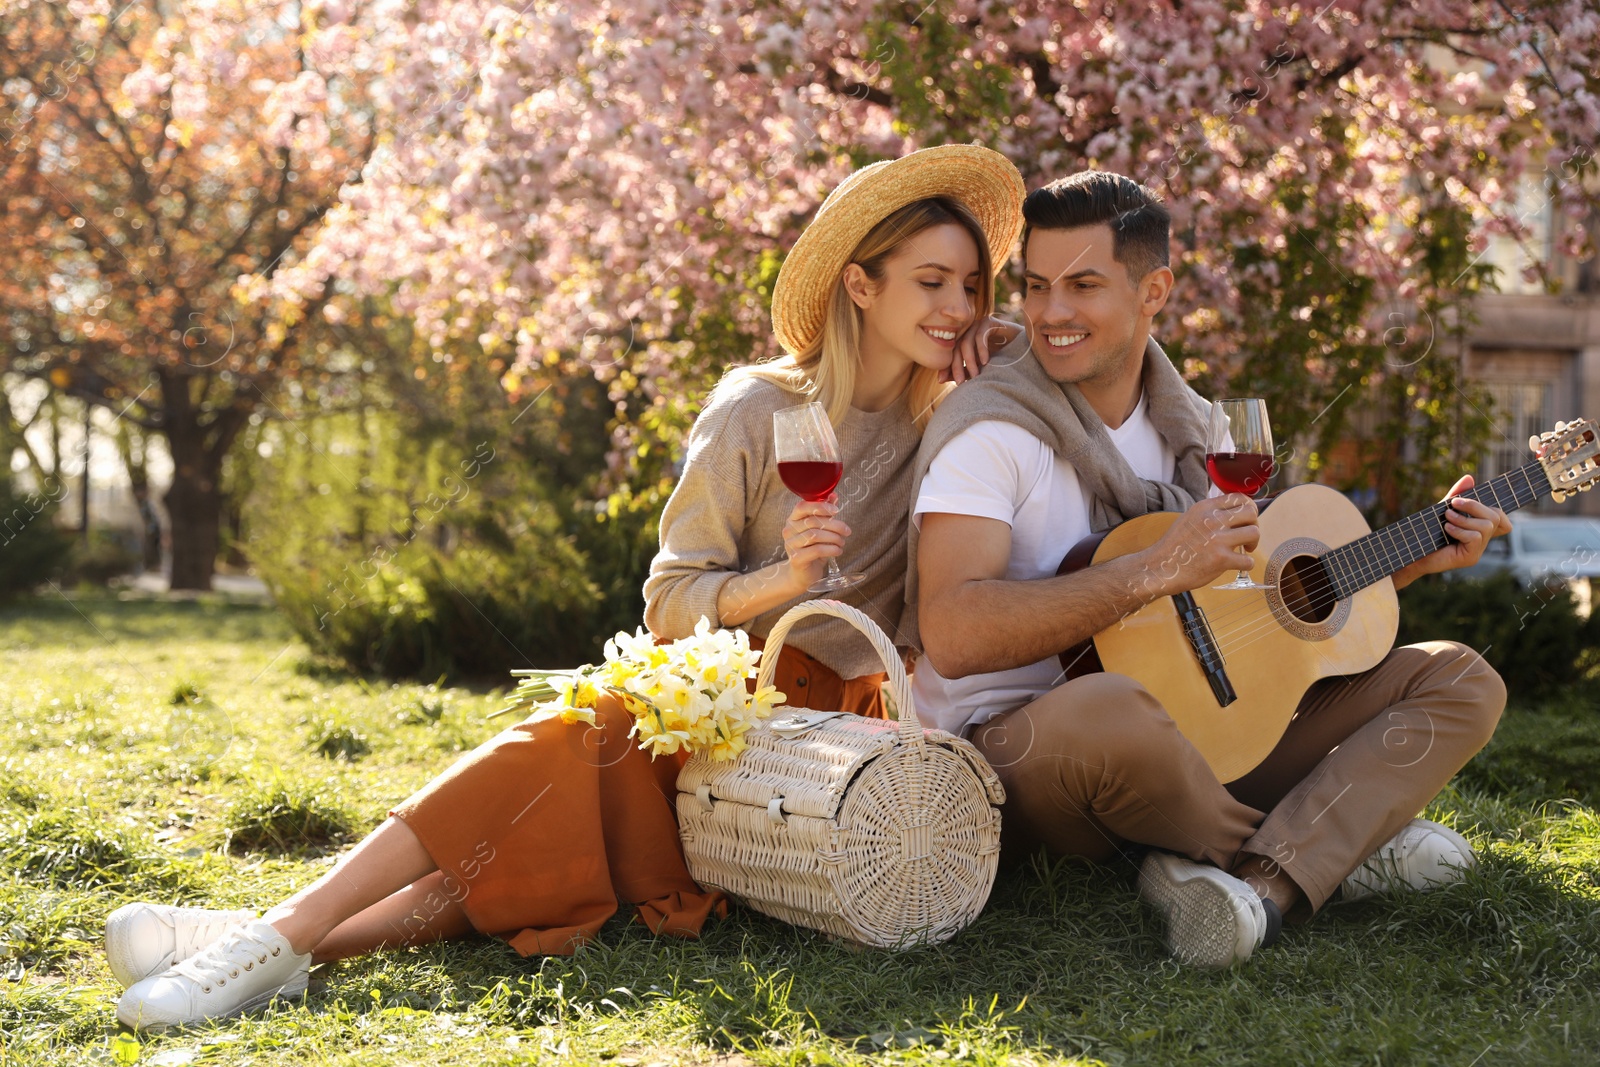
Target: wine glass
1239, 457
809, 464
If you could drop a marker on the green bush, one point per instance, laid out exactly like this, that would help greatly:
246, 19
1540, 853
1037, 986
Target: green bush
617, 540
1535, 638
31, 548
413, 556
510, 593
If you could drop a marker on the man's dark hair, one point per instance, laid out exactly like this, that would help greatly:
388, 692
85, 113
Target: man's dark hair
1140, 222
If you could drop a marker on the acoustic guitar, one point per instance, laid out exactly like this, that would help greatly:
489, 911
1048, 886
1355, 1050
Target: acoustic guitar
1231, 666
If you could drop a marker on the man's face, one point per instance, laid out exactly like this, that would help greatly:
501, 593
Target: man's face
1083, 312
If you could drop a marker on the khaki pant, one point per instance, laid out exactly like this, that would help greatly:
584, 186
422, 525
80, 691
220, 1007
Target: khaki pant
1097, 763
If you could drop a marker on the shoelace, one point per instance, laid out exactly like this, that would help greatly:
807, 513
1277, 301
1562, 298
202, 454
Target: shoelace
224, 961
192, 937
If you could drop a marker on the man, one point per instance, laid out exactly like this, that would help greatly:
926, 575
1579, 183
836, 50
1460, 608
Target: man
1084, 427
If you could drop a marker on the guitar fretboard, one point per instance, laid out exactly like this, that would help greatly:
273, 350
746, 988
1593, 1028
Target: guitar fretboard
1366, 560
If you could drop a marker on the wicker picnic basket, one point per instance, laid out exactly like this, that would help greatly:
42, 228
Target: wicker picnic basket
882, 833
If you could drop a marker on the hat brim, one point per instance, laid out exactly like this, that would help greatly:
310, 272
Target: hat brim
983, 180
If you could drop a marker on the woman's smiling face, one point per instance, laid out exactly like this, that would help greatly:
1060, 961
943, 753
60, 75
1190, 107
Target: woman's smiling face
926, 299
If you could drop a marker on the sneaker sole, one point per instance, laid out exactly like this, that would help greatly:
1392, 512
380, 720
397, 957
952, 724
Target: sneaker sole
1207, 924
292, 988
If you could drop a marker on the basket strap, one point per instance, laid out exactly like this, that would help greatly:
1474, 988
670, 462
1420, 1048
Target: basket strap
899, 687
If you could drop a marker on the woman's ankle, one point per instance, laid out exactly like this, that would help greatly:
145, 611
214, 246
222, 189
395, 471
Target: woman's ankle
296, 927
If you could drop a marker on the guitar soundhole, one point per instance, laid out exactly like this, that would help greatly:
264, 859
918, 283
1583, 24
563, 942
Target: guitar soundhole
1306, 590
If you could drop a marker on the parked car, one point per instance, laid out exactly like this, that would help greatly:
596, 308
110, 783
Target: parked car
1543, 549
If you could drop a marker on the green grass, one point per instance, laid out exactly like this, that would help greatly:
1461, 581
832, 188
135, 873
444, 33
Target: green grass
191, 752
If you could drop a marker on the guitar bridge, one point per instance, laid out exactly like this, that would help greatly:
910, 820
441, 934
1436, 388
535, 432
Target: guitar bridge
1204, 644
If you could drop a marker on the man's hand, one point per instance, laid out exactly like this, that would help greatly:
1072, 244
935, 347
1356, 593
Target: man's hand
976, 345
1213, 536
1470, 523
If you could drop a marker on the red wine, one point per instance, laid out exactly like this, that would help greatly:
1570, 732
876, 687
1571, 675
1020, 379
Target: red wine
1240, 472
812, 479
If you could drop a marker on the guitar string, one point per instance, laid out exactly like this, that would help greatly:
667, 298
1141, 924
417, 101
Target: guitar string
1415, 536
1247, 623
1330, 577
1395, 541
1252, 623
1256, 624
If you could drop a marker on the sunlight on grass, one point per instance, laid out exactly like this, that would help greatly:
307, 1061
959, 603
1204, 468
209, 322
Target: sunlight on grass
188, 753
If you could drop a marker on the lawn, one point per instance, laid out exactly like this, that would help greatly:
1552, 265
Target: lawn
193, 752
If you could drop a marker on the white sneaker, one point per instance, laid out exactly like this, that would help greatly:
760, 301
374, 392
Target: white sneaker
247, 967
146, 939
1423, 855
1213, 918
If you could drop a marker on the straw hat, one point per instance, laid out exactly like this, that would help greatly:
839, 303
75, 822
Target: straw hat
980, 178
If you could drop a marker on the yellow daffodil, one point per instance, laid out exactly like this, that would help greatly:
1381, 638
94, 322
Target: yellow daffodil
571, 715
689, 694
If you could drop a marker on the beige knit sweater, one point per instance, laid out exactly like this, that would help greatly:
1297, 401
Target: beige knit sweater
727, 512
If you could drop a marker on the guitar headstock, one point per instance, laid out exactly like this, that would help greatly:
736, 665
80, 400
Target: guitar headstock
1568, 454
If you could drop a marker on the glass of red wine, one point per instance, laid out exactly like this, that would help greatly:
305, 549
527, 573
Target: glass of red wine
1239, 457
809, 464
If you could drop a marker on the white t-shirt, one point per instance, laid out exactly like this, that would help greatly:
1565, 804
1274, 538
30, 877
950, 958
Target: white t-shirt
997, 470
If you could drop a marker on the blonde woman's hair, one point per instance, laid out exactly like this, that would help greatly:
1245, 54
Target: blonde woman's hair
826, 370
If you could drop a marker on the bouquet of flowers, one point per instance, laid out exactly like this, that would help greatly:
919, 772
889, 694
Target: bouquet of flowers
689, 694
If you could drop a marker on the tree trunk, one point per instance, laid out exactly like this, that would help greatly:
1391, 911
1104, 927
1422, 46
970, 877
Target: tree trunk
194, 511
194, 500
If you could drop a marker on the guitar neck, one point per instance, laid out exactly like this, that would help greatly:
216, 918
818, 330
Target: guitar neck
1374, 557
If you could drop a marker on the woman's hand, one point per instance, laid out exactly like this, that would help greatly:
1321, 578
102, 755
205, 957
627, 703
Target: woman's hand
976, 345
813, 535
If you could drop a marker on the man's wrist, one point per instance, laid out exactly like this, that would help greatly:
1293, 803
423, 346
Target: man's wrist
1152, 582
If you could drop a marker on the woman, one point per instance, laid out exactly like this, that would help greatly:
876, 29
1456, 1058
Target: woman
536, 834
869, 305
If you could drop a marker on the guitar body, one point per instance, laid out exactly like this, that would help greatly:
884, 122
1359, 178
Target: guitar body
1274, 643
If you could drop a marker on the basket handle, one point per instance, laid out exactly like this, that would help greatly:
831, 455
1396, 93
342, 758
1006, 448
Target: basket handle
899, 686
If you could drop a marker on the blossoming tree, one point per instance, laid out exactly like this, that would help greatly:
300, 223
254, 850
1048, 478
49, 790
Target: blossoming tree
606, 188
154, 154
598, 188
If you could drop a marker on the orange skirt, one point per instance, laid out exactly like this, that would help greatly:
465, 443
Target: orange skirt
809, 683
547, 825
